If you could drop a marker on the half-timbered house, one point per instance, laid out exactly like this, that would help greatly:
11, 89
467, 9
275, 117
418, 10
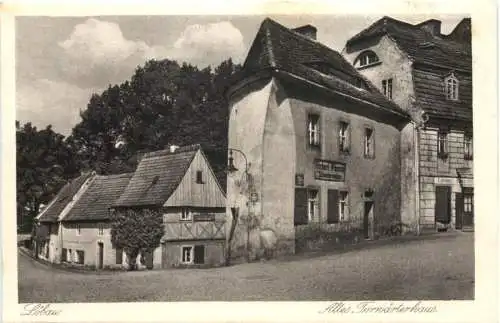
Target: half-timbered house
429, 75
179, 185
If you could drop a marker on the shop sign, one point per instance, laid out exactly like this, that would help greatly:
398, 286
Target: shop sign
328, 170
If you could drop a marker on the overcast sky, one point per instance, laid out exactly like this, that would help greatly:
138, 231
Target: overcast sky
61, 61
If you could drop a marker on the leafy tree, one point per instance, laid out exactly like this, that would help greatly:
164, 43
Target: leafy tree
136, 231
44, 164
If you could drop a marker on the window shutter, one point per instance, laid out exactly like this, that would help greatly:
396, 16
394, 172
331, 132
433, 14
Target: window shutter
333, 206
300, 213
199, 254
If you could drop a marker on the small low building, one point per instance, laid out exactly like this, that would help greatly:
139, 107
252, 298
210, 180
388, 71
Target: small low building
179, 185
47, 243
85, 229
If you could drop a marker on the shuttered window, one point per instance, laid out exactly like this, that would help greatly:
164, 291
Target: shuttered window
199, 254
333, 209
300, 212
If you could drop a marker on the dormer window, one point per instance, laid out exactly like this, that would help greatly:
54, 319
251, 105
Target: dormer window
366, 58
451, 87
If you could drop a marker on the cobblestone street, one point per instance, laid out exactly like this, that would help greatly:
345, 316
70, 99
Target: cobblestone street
426, 269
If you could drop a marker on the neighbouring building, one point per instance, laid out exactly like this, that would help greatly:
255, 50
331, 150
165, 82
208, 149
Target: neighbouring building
429, 75
47, 242
315, 146
85, 228
75, 226
179, 185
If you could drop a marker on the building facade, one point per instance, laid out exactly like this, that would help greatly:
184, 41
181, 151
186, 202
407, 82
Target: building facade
429, 75
179, 185
316, 147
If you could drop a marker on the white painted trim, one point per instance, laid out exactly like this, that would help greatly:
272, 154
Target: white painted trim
191, 256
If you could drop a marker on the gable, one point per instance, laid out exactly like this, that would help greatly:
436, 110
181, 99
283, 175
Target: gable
190, 193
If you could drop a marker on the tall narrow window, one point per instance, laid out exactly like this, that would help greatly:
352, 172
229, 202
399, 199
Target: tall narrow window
387, 88
199, 177
343, 205
442, 144
101, 229
313, 130
468, 150
451, 87
78, 230
344, 137
468, 203
312, 205
369, 143
187, 254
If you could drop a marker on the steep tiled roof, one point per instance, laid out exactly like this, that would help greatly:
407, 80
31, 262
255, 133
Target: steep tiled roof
156, 177
419, 44
65, 195
94, 203
277, 48
434, 57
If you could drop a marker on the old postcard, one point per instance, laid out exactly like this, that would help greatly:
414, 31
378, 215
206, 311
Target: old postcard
266, 161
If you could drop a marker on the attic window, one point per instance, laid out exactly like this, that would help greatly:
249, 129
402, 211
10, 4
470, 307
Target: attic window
155, 180
366, 58
451, 87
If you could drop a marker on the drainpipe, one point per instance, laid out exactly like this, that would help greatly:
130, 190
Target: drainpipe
417, 175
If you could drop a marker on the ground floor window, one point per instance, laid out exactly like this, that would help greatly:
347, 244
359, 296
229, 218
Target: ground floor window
343, 205
187, 254
64, 254
468, 203
80, 257
312, 204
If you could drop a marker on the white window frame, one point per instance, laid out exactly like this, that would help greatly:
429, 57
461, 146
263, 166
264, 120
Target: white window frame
468, 147
100, 229
369, 143
451, 85
343, 205
468, 202
442, 144
312, 204
191, 254
364, 58
387, 88
78, 229
313, 129
186, 215
344, 140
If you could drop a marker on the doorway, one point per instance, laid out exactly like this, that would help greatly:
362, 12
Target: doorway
367, 219
100, 255
442, 210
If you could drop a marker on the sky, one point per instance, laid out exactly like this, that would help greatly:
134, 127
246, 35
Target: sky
61, 61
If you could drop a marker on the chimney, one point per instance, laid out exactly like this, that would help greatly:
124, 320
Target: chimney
432, 26
173, 148
307, 30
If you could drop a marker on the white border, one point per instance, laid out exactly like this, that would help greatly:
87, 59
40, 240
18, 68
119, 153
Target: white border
483, 309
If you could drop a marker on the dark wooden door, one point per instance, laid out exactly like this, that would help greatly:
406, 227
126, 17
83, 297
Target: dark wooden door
199, 254
333, 206
459, 210
100, 255
366, 219
442, 212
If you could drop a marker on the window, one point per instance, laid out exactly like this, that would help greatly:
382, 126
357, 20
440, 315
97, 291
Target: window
64, 255
468, 150
186, 215
80, 257
387, 88
70, 255
313, 130
442, 144
366, 58
451, 87
369, 143
312, 205
344, 137
101, 229
468, 203
78, 230
199, 177
187, 254
343, 205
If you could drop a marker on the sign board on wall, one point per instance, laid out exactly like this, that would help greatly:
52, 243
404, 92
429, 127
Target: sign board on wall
299, 179
328, 170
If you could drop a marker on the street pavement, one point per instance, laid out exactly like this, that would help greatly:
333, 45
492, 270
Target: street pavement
437, 268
